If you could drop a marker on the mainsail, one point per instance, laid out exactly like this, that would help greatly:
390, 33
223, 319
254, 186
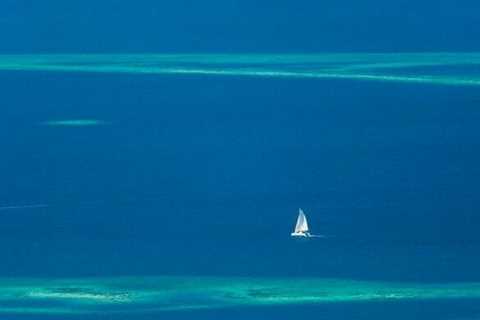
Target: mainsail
302, 225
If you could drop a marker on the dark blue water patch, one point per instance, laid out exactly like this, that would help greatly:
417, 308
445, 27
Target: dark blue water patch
239, 27
209, 182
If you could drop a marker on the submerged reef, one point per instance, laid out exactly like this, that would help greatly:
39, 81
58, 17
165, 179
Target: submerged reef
74, 123
145, 294
452, 68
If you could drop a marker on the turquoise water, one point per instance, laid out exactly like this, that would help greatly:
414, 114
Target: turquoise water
428, 68
154, 157
138, 295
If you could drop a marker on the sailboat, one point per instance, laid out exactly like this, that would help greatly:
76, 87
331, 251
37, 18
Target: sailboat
301, 227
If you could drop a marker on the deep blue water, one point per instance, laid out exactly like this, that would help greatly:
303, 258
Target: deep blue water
238, 26
203, 176
198, 175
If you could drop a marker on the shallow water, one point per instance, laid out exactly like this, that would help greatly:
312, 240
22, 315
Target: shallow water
430, 68
139, 295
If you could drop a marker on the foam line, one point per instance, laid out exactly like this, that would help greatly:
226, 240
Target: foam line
27, 206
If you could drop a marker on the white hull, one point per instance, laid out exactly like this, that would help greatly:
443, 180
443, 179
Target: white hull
300, 234
306, 235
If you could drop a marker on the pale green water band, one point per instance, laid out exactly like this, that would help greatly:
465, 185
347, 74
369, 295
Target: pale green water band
461, 69
74, 123
146, 294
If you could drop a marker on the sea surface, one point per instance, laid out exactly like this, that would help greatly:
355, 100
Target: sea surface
199, 173
203, 176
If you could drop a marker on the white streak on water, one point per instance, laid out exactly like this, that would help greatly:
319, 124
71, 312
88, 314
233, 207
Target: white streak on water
26, 206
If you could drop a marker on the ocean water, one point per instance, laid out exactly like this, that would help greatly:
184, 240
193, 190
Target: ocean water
117, 171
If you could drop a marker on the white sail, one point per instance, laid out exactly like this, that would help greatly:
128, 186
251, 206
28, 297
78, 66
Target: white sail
302, 225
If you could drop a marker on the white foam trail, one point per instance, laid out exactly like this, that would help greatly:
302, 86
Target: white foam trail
26, 206
317, 236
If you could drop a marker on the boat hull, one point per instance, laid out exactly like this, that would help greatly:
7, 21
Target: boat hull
300, 234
